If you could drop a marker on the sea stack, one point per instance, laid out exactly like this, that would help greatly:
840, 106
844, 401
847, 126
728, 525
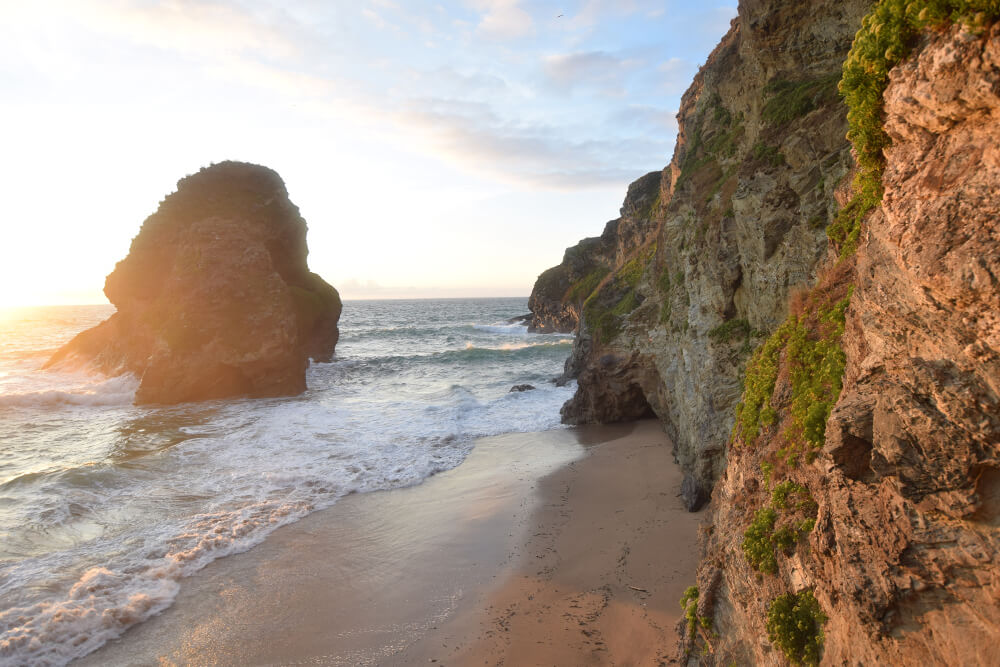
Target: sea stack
215, 298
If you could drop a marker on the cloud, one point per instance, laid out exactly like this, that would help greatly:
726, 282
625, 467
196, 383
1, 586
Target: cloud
374, 17
486, 116
594, 12
192, 27
599, 69
504, 20
476, 82
539, 156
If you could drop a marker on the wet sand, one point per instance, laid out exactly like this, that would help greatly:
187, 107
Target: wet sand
567, 547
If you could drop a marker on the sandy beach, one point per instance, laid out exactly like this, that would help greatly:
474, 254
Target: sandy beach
566, 547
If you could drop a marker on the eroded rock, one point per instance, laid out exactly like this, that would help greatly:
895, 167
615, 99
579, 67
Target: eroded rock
903, 556
215, 298
557, 298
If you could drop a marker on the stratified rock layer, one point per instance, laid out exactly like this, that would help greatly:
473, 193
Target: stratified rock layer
738, 225
895, 526
905, 555
215, 298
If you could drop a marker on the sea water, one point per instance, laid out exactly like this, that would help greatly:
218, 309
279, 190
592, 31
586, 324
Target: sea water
105, 507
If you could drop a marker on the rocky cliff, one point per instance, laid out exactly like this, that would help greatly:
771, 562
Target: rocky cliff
838, 389
738, 224
881, 533
556, 301
215, 298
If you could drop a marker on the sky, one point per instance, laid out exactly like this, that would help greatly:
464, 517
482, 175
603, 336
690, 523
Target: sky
434, 148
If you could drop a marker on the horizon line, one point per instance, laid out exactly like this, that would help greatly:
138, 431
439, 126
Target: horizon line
343, 299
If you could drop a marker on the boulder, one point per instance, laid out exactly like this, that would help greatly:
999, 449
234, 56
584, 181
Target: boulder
215, 298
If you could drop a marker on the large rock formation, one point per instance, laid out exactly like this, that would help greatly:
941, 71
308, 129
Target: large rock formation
556, 301
904, 556
855, 513
738, 224
215, 298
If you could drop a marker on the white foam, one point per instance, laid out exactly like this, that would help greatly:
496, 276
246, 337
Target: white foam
285, 460
98, 608
513, 329
140, 497
118, 390
105, 602
509, 347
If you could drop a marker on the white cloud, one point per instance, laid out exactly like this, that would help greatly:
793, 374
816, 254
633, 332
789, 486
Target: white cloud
538, 156
647, 119
597, 69
504, 19
191, 27
374, 17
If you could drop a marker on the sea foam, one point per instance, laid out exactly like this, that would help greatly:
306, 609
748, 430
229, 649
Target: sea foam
109, 506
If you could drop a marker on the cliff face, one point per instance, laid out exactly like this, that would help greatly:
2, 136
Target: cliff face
905, 490
215, 298
828, 357
556, 301
739, 225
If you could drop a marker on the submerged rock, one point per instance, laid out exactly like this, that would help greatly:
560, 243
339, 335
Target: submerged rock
521, 387
215, 298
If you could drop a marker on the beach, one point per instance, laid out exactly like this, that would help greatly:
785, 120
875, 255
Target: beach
564, 547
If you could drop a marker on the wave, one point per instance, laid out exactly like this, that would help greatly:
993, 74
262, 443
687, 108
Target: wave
104, 602
515, 329
508, 347
471, 353
362, 334
107, 510
327, 451
118, 390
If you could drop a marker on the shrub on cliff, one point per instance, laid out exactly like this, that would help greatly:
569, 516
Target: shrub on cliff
888, 34
762, 542
689, 603
795, 625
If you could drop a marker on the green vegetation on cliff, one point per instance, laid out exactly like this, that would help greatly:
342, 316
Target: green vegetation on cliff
606, 307
888, 34
793, 505
755, 410
757, 545
583, 288
689, 603
816, 363
768, 155
793, 99
811, 345
795, 625
714, 137
606, 320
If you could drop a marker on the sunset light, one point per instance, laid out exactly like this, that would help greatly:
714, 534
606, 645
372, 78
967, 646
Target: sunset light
418, 130
500, 332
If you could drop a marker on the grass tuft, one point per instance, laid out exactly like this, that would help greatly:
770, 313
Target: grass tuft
790, 100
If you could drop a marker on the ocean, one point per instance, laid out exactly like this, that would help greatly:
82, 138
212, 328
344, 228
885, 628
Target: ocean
106, 507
